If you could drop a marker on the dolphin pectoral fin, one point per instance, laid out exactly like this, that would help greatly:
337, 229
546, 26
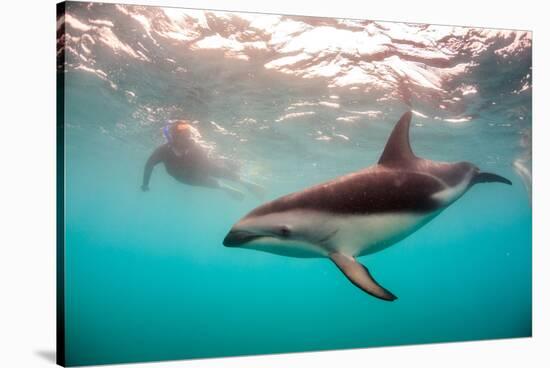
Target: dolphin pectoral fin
360, 276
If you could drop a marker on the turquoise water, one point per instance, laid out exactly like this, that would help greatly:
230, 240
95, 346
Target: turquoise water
147, 276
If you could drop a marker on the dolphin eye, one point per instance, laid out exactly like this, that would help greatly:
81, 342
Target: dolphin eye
284, 231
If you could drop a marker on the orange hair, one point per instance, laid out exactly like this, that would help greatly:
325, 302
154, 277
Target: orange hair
182, 125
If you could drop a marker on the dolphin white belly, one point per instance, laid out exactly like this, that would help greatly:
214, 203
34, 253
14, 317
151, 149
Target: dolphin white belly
361, 235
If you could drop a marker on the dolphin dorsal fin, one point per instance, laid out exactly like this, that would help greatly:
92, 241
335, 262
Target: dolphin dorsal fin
398, 148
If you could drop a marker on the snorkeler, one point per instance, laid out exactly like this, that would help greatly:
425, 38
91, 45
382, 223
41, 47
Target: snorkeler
188, 162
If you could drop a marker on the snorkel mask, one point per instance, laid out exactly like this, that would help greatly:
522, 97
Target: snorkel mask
171, 131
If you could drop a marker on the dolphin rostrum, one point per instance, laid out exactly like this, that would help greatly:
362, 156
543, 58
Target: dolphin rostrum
360, 213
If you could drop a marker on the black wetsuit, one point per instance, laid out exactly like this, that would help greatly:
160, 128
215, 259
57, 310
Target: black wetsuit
193, 167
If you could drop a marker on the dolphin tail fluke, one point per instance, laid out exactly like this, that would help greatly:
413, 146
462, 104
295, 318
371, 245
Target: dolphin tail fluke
360, 276
484, 177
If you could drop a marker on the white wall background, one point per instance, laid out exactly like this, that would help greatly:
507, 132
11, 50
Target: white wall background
27, 182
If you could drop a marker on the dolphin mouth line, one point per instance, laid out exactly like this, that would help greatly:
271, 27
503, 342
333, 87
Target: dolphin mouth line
236, 238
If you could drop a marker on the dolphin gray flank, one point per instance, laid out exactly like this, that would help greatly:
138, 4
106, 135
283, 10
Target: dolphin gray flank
360, 213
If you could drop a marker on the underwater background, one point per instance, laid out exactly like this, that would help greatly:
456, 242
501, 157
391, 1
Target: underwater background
296, 101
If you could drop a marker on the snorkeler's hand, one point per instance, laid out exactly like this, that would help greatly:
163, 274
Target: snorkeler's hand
145, 188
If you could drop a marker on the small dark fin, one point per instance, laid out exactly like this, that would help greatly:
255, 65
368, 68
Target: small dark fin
398, 148
484, 177
360, 276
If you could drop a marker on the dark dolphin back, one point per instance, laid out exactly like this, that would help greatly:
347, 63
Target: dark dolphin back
400, 183
451, 173
371, 191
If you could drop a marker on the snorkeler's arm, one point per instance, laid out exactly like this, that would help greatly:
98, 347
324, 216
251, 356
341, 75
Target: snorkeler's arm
156, 157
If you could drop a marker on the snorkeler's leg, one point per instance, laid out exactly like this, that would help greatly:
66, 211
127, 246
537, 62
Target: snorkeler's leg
253, 188
226, 172
213, 183
233, 192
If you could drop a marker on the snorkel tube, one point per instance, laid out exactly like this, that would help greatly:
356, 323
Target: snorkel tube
167, 135
167, 132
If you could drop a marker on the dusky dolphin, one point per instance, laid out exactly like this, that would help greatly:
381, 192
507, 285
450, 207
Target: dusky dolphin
360, 213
